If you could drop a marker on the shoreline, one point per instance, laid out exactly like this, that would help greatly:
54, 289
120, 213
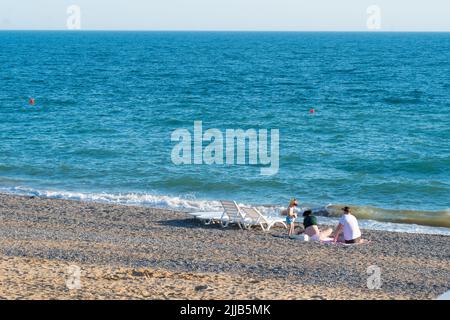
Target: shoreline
407, 222
140, 252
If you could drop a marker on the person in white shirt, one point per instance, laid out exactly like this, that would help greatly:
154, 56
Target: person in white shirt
349, 225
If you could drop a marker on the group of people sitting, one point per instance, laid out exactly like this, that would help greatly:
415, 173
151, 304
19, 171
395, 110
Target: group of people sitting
347, 230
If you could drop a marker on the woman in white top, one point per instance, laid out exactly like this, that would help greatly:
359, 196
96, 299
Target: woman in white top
349, 225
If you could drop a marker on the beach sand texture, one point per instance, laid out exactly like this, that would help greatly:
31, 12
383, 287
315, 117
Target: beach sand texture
126, 252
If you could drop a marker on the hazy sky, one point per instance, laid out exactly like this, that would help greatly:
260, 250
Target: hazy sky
335, 15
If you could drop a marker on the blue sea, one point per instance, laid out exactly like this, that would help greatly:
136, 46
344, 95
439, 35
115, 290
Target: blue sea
106, 104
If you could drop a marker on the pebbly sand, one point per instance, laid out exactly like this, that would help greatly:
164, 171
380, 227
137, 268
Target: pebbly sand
127, 252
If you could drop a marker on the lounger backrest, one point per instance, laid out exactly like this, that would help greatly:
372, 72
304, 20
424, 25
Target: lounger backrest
252, 213
231, 209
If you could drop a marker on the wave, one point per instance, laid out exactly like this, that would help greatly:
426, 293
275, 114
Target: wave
372, 218
426, 218
184, 203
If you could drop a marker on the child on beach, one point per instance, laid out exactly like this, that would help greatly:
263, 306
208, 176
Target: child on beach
291, 216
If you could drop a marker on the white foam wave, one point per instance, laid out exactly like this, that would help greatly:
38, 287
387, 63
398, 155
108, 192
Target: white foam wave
148, 200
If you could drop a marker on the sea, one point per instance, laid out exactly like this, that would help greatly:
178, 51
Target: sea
363, 120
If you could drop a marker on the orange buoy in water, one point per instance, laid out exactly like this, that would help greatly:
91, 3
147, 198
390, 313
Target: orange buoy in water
312, 110
32, 101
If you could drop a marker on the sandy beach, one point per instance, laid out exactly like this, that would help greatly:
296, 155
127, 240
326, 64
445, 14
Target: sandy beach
126, 252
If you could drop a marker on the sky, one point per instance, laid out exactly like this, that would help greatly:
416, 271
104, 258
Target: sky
252, 15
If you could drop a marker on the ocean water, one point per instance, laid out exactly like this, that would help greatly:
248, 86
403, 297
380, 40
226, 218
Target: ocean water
106, 104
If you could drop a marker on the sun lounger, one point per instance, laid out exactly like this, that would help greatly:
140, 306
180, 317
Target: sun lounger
231, 214
243, 217
253, 217
208, 217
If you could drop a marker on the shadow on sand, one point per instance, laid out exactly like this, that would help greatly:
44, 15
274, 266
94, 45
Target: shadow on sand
195, 224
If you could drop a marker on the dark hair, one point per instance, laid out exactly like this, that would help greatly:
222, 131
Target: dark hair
307, 213
346, 209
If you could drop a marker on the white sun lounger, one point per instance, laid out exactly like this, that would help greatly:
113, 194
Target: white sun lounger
243, 217
208, 217
231, 213
254, 218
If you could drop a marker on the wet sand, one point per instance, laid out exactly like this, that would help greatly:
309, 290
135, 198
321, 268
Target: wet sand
126, 252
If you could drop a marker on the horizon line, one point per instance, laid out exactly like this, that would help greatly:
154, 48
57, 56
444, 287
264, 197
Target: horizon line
231, 30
